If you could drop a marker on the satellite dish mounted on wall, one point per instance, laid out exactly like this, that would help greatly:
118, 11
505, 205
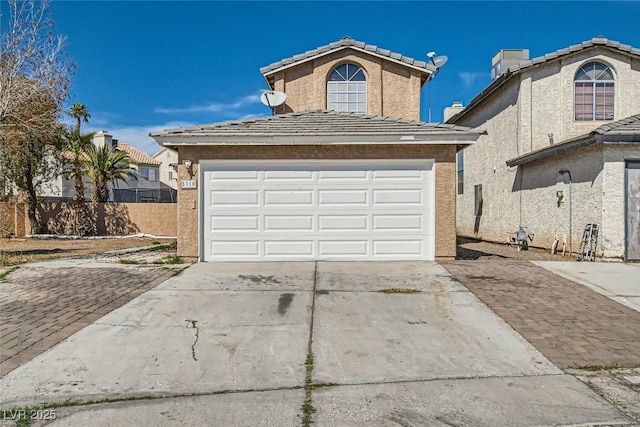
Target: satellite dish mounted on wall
439, 61
273, 98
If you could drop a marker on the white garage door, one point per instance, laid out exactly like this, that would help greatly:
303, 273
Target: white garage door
321, 210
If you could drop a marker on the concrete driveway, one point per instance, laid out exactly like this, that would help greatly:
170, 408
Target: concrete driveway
339, 344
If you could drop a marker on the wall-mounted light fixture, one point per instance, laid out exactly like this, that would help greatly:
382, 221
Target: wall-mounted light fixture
560, 196
550, 135
188, 164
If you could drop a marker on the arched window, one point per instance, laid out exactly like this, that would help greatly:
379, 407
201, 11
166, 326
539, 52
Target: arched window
594, 92
347, 89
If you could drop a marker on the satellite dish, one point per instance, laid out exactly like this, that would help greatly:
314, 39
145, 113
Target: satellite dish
273, 98
439, 61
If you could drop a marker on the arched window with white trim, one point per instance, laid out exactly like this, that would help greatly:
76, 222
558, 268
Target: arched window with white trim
594, 92
347, 89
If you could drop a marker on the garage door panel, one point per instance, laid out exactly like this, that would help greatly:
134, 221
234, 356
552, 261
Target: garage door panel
234, 223
234, 175
288, 223
398, 197
321, 210
398, 247
398, 174
288, 175
234, 198
343, 197
288, 197
343, 175
398, 222
289, 248
342, 223
333, 248
235, 248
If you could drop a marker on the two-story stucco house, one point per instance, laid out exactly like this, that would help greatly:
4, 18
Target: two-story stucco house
168, 169
146, 186
343, 171
561, 150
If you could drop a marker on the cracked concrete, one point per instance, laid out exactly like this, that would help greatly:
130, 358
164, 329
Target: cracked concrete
192, 324
438, 357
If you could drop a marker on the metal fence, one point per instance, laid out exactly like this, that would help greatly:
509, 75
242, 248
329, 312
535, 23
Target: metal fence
162, 195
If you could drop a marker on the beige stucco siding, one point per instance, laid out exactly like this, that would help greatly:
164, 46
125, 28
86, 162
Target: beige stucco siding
393, 90
444, 155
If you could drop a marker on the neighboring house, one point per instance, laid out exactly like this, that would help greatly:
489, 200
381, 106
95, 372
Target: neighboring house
146, 186
561, 150
366, 181
168, 159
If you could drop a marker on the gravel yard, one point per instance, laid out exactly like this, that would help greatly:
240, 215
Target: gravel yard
19, 251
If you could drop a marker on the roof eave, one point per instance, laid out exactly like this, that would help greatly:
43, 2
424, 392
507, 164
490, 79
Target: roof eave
441, 138
430, 69
552, 150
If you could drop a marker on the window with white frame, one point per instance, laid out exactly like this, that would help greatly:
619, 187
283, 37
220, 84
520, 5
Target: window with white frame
347, 89
148, 174
594, 92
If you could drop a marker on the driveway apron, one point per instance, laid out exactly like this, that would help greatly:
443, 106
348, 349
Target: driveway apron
338, 344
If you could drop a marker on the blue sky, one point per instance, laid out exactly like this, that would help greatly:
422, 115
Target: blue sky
144, 66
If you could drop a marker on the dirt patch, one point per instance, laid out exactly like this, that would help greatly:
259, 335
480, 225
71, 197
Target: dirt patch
613, 385
472, 249
18, 251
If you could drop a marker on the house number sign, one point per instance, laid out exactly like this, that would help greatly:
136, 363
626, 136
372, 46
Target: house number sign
191, 183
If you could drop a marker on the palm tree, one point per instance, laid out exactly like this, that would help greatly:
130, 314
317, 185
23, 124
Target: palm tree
77, 146
103, 166
80, 112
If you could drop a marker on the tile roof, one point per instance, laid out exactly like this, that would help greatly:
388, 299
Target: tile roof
595, 42
347, 42
136, 155
627, 130
317, 123
627, 126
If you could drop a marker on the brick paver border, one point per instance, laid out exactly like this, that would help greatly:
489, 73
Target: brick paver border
569, 323
39, 307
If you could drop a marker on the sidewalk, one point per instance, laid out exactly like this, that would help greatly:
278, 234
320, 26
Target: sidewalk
618, 281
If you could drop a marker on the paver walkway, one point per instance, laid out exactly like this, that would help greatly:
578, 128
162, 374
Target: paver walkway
39, 307
570, 324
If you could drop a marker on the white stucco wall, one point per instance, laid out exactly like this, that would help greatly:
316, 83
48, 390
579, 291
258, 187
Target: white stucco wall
541, 212
613, 194
518, 118
167, 157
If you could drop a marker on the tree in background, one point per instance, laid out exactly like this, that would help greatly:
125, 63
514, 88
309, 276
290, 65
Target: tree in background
77, 146
103, 166
81, 113
34, 81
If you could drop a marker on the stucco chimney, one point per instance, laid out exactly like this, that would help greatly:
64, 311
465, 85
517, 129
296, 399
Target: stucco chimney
455, 108
101, 138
